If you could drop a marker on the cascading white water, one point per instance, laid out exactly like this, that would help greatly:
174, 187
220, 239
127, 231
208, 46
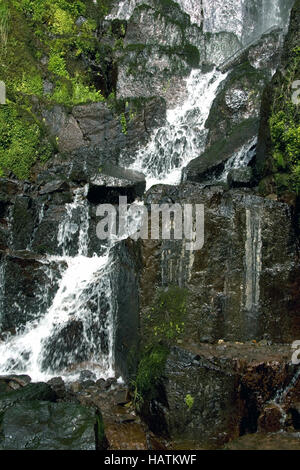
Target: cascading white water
78, 327
216, 16
83, 302
24, 353
77, 330
240, 159
184, 135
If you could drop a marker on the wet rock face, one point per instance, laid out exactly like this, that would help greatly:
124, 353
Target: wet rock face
39, 425
242, 283
103, 137
31, 284
233, 121
33, 419
126, 286
276, 95
240, 177
114, 182
147, 27
219, 392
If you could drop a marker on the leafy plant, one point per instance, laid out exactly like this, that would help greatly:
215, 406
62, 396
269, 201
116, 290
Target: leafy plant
189, 400
285, 130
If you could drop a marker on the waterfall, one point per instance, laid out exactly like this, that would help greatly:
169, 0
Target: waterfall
184, 135
242, 158
77, 329
78, 326
82, 282
245, 18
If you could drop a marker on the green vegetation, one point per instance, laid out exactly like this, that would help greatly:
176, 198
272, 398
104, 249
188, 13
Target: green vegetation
50, 30
163, 326
4, 23
150, 371
189, 401
123, 123
53, 40
166, 317
285, 131
22, 142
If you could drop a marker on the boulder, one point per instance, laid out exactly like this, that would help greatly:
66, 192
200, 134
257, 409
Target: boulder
32, 391
58, 385
215, 393
9, 383
40, 425
262, 53
64, 128
271, 419
54, 186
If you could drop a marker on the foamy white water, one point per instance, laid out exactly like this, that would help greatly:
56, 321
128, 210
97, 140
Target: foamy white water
184, 135
77, 330
25, 352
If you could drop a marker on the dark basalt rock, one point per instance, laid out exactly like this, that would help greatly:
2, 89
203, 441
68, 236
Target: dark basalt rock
126, 286
40, 425
104, 138
212, 161
54, 186
242, 282
229, 385
262, 53
240, 178
8, 383
32, 391
113, 182
87, 375
58, 385
25, 279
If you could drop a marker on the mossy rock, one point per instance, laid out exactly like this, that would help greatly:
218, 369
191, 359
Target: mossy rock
278, 147
41, 425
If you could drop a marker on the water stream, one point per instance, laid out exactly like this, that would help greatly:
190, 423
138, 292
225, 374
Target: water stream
78, 327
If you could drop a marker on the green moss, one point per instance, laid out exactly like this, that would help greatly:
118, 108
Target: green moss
285, 132
41, 39
123, 123
44, 28
165, 319
150, 372
163, 326
21, 143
